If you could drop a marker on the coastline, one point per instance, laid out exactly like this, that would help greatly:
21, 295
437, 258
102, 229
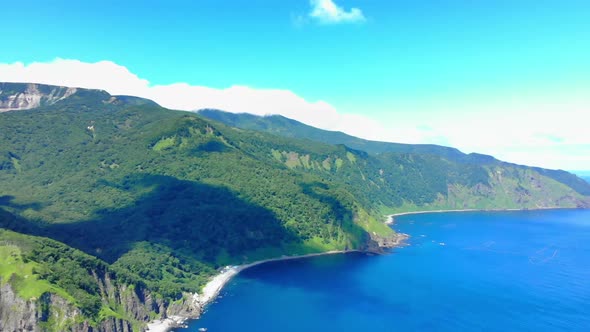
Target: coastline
391, 217
216, 284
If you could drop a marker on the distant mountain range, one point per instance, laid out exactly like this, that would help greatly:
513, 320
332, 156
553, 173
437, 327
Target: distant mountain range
280, 125
114, 210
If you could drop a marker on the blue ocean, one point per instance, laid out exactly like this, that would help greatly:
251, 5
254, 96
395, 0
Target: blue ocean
469, 271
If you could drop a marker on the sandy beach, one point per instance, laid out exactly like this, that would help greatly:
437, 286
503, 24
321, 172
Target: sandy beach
391, 218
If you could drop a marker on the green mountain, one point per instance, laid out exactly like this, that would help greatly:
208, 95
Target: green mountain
114, 210
280, 125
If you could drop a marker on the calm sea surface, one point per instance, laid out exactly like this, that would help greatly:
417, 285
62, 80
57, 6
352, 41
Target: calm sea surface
475, 271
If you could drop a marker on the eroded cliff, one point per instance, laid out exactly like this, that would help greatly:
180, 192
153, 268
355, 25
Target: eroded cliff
15, 97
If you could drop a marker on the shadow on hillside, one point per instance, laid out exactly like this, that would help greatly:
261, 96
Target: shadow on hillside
194, 218
8, 200
318, 191
339, 214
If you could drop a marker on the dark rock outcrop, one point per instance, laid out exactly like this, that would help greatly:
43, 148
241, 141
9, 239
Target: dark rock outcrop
379, 244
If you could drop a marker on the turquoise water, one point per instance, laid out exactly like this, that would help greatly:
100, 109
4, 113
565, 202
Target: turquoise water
475, 271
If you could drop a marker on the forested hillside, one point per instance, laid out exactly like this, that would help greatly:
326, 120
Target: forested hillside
282, 126
400, 177
279, 125
121, 208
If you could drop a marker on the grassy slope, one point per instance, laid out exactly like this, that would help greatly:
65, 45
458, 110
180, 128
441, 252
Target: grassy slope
20, 274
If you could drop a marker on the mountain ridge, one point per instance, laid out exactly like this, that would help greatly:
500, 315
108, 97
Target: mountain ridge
280, 125
26, 96
284, 126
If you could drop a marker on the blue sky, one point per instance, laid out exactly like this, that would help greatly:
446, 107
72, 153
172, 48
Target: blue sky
415, 67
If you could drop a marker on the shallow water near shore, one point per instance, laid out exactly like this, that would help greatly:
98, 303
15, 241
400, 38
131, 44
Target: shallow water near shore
471, 271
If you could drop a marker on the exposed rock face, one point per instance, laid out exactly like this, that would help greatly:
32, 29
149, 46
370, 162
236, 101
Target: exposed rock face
19, 96
378, 244
25, 96
17, 314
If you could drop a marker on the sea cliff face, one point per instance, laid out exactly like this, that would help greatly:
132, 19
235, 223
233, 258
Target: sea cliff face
16, 314
53, 313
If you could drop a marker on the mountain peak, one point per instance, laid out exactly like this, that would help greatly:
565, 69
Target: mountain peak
26, 96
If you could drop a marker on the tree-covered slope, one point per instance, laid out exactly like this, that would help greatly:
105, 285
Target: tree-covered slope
279, 125
132, 196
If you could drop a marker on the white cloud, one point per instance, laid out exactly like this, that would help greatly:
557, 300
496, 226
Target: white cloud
550, 133
104, 75
530, 131
118, 80
327, 12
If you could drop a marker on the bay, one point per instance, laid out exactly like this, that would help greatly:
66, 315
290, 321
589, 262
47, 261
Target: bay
468, 271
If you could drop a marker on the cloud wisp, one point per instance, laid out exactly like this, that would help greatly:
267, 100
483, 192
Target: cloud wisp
328, 12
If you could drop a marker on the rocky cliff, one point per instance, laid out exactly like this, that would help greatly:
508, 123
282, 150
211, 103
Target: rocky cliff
135, 306
17, 96
16, 314
25, 96
46, 313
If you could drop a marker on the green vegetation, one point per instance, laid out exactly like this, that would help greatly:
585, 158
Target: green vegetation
282, 126
21, 274
158, 199
36, 266
279, 125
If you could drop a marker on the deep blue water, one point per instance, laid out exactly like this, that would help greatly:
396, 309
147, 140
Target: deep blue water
500, 271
